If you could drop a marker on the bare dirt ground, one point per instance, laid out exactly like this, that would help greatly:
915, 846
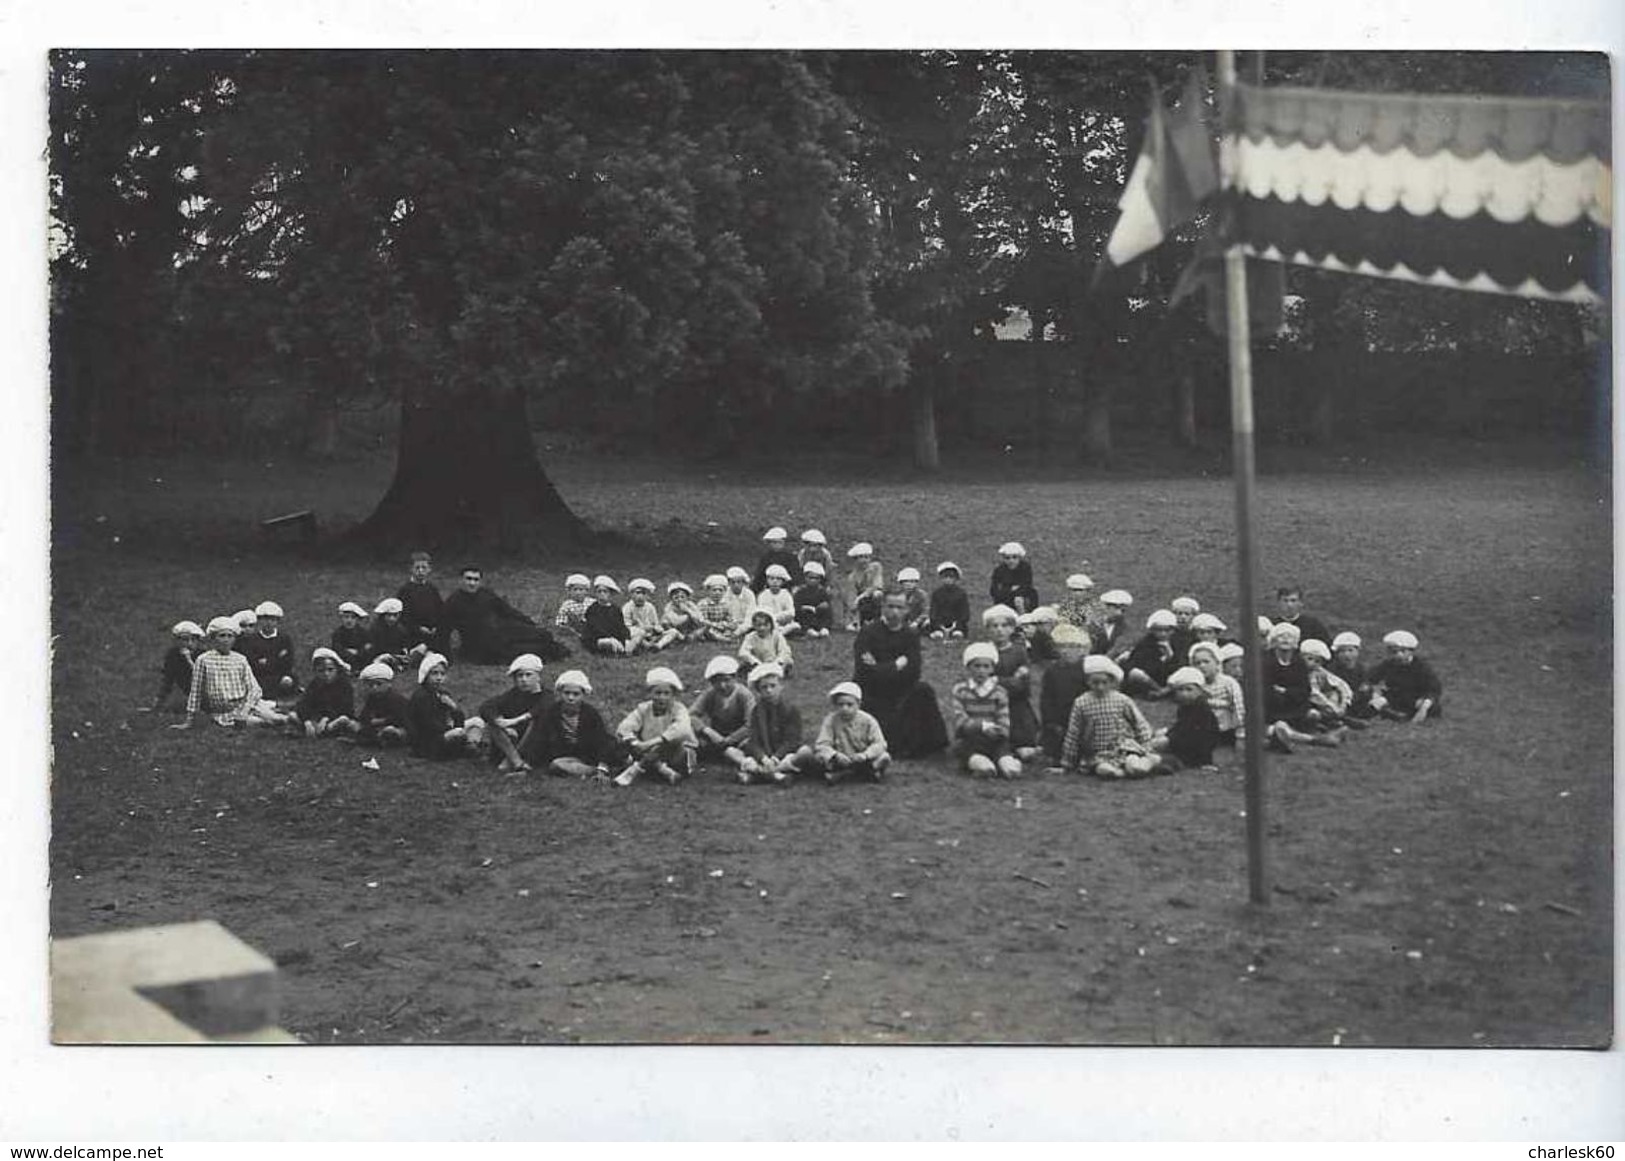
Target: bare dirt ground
1447, 884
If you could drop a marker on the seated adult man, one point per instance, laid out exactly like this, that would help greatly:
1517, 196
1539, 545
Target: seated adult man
489, 630
886, 653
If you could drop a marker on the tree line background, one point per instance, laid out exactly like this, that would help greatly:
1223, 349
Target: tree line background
704, 251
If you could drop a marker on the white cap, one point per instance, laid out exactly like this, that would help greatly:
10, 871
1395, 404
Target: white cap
847, 688
1265, 624
981, 651
813, 568
245, 618
323, 651
1207, 621
1100, 663
778, 570
679, 587
761, 612
1161, 619
389, 605
526, 663
947, 566
605, 582
187, 629
352, 607
268, 609
640, 584
430, 660
1230, 649
1285, 632
1042, 615
861, 548
576, 579
775, 533
377, 671
1185, 675
573, 677
910, 573
1012, 548
1117, 597
720, 664
735, 572
811, 536
1401, 639
715, 581
1345, 639
224, 625
1316, 648
1212, 648
1080, 582
660, 675
1185, 605
997, 613
765, 669
1069, 634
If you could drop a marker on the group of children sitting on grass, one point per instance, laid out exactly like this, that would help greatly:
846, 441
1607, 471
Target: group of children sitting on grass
1091, 671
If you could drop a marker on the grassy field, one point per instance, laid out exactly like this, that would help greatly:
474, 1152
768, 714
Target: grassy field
1447, 884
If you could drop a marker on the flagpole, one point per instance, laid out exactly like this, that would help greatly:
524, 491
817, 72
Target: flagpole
1241, 427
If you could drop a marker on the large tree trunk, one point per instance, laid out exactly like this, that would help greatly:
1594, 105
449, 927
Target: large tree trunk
924, 398
466, 475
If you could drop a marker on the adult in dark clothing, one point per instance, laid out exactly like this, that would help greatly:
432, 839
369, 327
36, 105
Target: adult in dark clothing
886, 653
490, 631
1289, 611
422, 609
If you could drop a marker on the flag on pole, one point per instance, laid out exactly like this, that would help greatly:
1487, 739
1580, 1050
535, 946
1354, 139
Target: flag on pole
1498, 194
1175, 172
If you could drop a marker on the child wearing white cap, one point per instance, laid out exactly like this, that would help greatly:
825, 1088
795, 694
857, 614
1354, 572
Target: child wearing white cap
863, 586
350, 640
1078, 607
224, 685
777, 553
682, 612
1106, 734
766, 643
1189, 742
572, 614
437, 727
1061, 685
509, 714
326, 707
648, 634
815, 547
570, 739
603, 628
1185, 610
716, 616
658, 732
1346, 663
382, 718
919, 608
1036, 629
850, 743
721, 715
1012, 580
1153, 657
981, 716
949, 611
388, 640
270, 651
1287, 707
175, 672
773, 734
1329, 695
1404, 686
815, 612
1111, 634
1225, 696
1014, 671
740, 597
776, 599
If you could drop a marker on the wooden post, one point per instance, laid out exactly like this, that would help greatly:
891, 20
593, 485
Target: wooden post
1241, 426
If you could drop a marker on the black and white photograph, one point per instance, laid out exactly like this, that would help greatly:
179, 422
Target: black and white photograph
764, 546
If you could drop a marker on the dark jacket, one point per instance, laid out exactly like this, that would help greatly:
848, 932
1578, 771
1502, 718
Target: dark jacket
428, 716
546, 738
1012, 581
326, 699
1194, 734
950, 608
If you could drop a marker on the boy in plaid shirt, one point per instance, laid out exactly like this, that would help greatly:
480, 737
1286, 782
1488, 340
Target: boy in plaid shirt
714, 611
572, 614
224, 686
1106, 735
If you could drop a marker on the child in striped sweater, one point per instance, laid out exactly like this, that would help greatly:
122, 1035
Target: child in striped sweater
981, 716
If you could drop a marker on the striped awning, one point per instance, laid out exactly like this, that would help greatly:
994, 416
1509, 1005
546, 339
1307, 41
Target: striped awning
1498, 194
